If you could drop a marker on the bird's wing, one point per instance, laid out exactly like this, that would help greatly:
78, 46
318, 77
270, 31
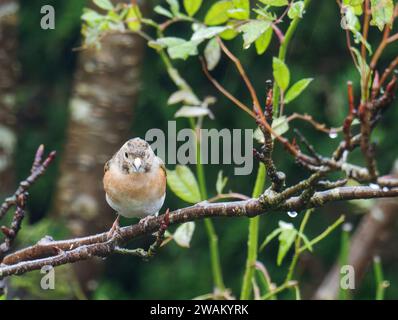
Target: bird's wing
106, 167
162, 166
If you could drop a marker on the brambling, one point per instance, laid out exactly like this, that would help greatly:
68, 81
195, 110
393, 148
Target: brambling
135, 181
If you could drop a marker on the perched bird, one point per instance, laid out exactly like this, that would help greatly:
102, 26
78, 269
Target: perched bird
135, 181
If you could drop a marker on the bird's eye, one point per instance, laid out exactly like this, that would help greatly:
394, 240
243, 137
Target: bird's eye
126, 154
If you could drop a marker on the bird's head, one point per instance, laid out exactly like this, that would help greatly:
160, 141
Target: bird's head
136, 156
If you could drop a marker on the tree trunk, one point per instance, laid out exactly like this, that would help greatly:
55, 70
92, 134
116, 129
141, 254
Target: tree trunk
9, 70
105, 90
373, 232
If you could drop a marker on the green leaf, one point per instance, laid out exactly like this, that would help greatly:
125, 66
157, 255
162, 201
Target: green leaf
296, 89
183, 50
286, 239
252, 31
296, 10
192, 6
229, 33
280, 125
382, 12
240, 10
92, 16
162, 11
218, 13
212, 54
350, 20
281, 73
174, 6
104, 4
269, 238
207, 33
221, 182
169, 41
133, 18
275, 3
183, 183
263, 41
183, 235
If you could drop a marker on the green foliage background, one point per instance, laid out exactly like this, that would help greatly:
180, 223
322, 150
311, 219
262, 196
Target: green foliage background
318, 51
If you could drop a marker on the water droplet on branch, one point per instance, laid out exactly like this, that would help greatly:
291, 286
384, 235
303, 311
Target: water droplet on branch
374, 186
292, 214
332, 134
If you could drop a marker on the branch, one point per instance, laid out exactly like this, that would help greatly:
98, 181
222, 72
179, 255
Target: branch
55, 253
18, 199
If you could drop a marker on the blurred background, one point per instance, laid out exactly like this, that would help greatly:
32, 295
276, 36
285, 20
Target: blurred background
85, 103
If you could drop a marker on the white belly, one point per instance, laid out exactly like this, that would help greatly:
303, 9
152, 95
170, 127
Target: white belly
137, 209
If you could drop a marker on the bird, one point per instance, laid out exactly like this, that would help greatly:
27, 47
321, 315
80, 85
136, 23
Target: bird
135, 182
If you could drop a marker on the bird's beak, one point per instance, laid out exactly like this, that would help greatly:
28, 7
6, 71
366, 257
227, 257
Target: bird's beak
137, 164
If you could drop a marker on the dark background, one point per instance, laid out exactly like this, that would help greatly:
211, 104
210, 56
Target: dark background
48, 63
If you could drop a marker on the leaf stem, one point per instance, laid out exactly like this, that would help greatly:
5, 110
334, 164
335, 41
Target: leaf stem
252, 242
297, 245
282, 55
211, 232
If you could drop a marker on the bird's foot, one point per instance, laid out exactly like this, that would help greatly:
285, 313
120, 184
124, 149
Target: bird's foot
144, 221
115, 229
155, 246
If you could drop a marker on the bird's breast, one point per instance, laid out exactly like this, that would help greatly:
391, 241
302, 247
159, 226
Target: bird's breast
135, 194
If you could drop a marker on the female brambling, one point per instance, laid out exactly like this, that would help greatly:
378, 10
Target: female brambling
135, 181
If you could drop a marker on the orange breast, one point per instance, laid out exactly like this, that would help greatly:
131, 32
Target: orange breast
137, 186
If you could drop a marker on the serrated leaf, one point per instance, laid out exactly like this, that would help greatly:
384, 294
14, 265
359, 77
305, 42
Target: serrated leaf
286, 239
183, 183
192, 6
281, 73
104, 4
296, 10
263, 41
207, 33
382, 12
221, 182
212, 54
183, 235
192, 112
275, 3
296, 89
133, 18
252, 30
218, 13
162, 11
